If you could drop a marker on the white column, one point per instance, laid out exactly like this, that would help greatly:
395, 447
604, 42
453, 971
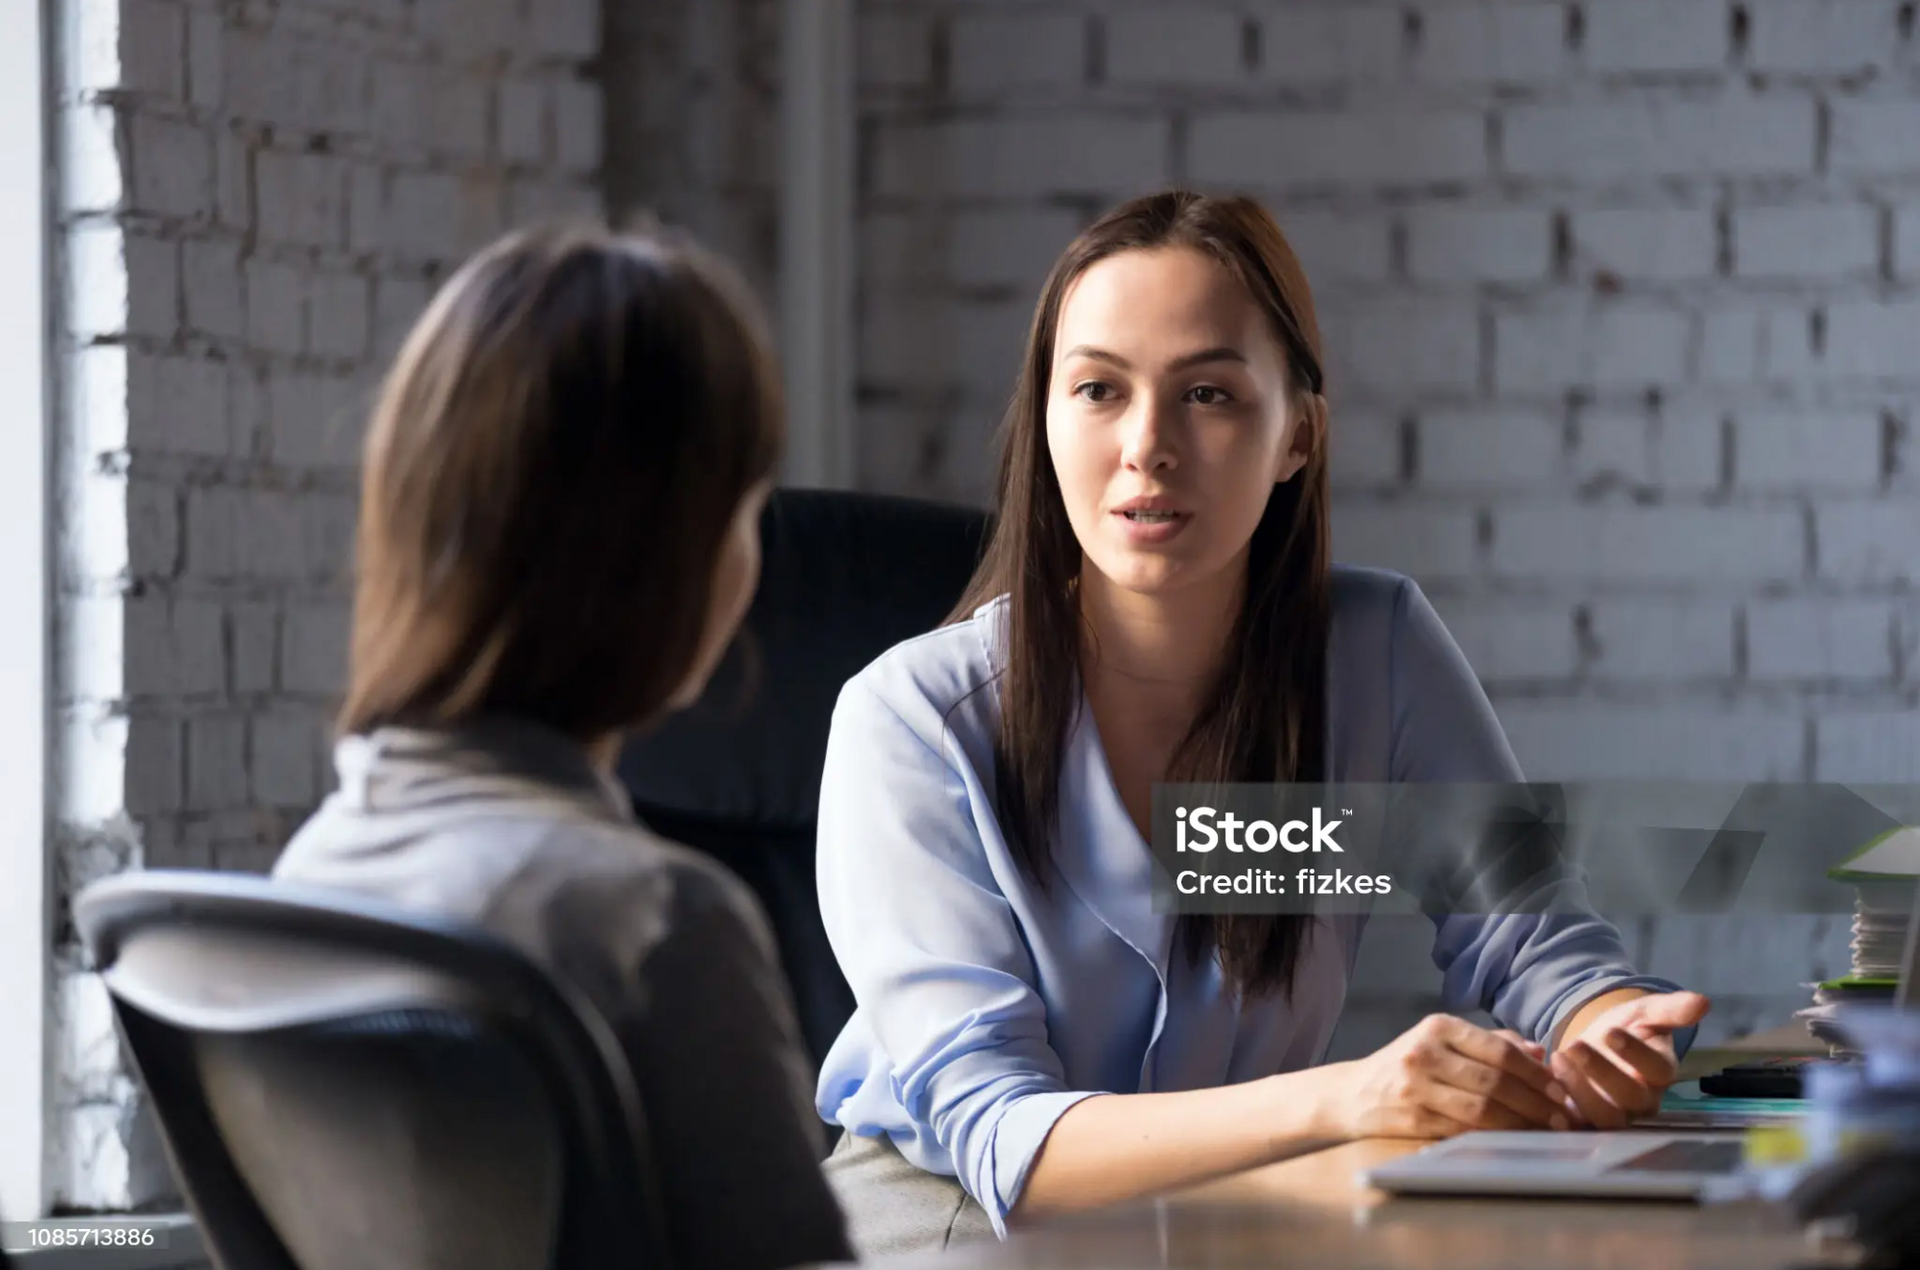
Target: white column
816, 239
25, 476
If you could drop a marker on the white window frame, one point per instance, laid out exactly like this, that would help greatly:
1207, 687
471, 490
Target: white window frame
25, 479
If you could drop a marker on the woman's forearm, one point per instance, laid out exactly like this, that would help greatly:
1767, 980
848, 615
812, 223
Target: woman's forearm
1576, 1024
1118, 1147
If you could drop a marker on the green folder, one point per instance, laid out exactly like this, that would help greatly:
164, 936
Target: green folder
1848, 983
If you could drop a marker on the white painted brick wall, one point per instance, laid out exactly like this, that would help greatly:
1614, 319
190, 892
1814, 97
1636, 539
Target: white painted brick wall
1821, 638
211, 285
1600, 741
253, 632
1612, 449
1822, 36
1502, 244
189, 391
314, 421
1202, 48
1661, 639
1808, 450
276, 306
1404, 343
299, 198
522, 120
1873, 339
1691, 452
1650, 544
1437, 542
1303, 45
992, 52
1746, 344
1630, 137
577, 112
1007, 248
1878, 137
1463, 449
1628, 345
1868, 746
1367, 449
172, 166
254, 201
284, 757
216, 763
1635, 36
1345, 247
1030, 157
1493, 44
1507, 641
1868, 544
1328, 149
1651, 244
1906, 242
1806, 242
340, 313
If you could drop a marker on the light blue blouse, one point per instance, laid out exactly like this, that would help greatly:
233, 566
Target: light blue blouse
987, 1006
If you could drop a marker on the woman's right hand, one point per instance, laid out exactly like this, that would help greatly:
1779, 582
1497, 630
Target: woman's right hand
1442, 1077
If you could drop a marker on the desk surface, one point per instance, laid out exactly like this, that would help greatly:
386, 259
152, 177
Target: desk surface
1309, 1211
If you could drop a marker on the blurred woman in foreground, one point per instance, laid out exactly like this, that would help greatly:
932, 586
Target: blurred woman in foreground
559, 535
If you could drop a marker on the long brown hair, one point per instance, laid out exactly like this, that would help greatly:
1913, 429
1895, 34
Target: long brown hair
551, 469
1265, 717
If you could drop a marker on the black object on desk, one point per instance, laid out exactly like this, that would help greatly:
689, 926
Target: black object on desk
1763, 1078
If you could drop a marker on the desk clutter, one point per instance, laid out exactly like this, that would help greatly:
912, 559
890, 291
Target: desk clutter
1855, 1158
1828, 1144
1883, 874
1835, 1142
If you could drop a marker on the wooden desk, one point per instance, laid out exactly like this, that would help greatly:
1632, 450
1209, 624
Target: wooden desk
1308, 1211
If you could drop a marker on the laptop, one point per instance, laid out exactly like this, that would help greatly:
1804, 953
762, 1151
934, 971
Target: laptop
1624, 1164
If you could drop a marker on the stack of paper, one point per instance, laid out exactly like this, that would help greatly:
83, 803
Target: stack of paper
1883, 874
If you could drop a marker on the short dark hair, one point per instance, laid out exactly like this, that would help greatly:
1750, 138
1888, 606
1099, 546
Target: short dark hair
550, 470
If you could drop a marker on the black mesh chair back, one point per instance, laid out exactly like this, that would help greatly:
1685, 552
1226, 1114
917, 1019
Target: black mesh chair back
845, 576
343, 1085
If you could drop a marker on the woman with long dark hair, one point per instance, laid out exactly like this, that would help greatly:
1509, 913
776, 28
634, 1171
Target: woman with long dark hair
1158, 603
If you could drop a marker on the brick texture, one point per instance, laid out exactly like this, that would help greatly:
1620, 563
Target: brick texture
290, 181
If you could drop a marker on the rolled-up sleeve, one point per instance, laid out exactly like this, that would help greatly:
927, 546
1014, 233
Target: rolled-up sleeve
1530, 970
933, 950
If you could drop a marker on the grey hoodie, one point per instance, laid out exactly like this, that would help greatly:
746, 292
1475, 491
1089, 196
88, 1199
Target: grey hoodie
508, 825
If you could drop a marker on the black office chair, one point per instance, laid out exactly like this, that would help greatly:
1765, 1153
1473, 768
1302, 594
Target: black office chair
845, 576
342, 1085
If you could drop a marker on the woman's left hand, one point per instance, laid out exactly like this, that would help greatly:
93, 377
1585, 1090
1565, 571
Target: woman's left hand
1620, 1063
